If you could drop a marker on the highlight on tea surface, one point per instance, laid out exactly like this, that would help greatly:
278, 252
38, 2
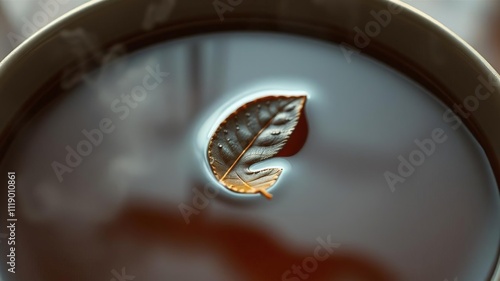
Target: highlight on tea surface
256, 131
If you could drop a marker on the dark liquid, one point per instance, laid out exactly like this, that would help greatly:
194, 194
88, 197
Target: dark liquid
120, 207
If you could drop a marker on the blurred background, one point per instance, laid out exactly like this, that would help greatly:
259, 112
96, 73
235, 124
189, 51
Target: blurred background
476, 21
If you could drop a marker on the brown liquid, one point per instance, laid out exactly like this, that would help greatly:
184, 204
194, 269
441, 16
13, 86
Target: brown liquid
120, 207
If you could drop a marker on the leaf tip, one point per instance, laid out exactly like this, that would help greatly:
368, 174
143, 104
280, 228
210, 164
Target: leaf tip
302, 97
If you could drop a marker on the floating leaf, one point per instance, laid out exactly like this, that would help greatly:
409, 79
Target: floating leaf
254, 132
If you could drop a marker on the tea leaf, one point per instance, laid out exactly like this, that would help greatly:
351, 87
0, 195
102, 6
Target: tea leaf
255, 132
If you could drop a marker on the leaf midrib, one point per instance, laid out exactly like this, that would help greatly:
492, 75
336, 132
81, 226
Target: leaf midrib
252, 142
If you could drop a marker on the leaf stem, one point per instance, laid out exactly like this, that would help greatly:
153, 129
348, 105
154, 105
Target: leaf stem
265, 194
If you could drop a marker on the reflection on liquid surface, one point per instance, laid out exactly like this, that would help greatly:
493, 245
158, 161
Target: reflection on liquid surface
118, 208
